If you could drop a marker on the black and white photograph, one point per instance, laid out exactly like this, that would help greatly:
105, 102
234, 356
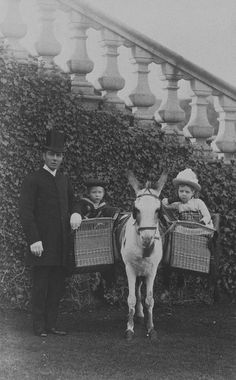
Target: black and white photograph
117, 190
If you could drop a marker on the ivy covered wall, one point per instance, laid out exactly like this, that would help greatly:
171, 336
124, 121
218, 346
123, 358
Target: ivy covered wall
99, 143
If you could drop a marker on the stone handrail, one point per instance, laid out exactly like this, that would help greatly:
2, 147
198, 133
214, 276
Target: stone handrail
157, 50
145, 51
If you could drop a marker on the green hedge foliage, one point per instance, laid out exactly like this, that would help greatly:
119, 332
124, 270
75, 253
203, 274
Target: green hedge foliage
99, 143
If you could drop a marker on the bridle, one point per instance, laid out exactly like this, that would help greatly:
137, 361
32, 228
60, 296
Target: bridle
149, 194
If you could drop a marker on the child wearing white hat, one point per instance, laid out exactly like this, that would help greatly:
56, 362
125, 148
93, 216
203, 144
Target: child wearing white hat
189, 207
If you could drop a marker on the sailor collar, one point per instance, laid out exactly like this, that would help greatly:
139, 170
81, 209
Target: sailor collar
92, 203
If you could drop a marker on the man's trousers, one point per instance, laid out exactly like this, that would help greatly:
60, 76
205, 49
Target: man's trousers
48, 287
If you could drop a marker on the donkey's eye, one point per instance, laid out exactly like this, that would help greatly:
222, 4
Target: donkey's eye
135, 212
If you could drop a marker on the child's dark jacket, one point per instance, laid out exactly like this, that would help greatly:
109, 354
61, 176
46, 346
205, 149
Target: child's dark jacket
87, 210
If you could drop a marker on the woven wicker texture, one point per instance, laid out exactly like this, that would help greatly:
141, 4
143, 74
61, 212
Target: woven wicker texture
93, 242
189, 246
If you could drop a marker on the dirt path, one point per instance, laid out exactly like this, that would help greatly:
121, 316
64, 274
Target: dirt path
195, 342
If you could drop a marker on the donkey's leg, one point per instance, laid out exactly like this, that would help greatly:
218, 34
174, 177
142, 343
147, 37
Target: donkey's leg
149, 302
131, 302
139, 305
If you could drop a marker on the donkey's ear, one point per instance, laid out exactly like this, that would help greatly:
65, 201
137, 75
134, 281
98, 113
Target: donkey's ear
161, 182
133, 181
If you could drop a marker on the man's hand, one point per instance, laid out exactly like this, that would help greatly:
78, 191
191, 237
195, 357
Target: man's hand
37, 248
75, 221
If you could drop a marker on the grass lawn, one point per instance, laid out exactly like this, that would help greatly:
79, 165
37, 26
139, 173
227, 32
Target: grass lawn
195, 342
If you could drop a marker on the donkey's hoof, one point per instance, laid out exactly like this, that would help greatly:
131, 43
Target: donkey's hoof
129, 335
152, 334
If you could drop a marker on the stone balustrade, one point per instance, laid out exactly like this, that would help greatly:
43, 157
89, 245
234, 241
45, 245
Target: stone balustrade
111, 81
47, 45
13, 30
144, 53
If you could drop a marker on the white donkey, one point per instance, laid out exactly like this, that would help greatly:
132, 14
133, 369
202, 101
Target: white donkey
141, 250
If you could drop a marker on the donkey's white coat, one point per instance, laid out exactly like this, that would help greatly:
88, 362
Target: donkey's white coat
141, 250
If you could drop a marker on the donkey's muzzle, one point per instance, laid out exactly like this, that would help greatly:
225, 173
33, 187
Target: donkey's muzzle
146, 235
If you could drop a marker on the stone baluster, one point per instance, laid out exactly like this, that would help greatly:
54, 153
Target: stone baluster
111, 81
169, 111
79, 64
141, 97
225, 141
47, 45
198, 126
2, 39
13, 29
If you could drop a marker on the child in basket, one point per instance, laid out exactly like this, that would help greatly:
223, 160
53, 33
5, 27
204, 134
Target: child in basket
188, 208
93, 204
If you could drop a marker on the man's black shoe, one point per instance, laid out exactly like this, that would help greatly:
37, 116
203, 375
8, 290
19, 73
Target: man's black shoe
41, 333
54, 331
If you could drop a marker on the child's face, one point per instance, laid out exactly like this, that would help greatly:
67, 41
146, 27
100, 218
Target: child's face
96, 193
185, 193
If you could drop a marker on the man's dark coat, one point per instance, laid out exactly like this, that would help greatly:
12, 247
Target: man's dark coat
46, 203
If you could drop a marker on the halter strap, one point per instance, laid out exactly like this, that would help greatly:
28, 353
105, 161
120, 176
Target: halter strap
146, 228
148, 195
156, 237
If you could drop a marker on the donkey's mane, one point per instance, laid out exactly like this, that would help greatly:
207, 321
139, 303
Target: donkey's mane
148, 185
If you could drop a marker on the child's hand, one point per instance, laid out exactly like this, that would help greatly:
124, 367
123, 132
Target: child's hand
204, 221
165, 201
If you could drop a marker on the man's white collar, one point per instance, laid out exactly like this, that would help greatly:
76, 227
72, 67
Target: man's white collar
53, 172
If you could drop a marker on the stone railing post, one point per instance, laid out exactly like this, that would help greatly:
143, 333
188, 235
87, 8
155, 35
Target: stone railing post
47, 45
169, 111
2, 39
141, 97
111, 81
225, 141
13, 29
198, 125
80, 64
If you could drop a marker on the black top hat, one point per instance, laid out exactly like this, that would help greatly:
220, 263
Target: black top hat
54, 141
95, 182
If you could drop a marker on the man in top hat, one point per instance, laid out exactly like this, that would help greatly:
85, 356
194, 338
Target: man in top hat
47, 210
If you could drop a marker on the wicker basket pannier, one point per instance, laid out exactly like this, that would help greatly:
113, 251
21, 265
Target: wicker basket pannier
189, 246
93, 243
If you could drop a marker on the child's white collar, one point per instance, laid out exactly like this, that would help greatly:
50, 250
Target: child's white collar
94, 204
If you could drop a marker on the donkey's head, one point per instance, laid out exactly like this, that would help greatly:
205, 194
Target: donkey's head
146, 207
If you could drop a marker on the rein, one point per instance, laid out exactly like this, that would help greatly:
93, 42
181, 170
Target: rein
172, 226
